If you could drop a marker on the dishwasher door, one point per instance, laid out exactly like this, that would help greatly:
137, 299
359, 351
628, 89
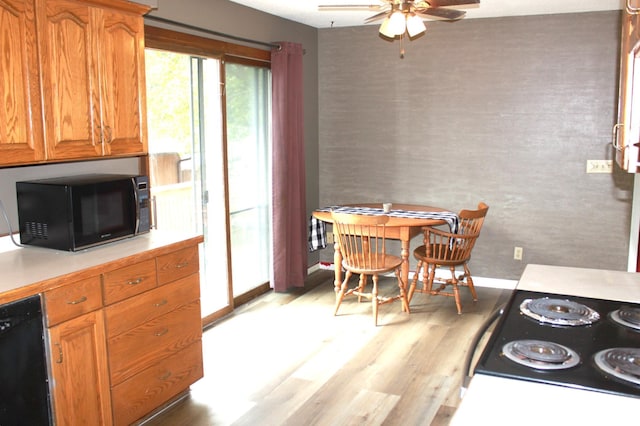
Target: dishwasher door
24, 388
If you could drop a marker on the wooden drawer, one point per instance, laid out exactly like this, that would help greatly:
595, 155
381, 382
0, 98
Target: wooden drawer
72, 300
144, 392
143, 346
131, 313
129, 281
178, 264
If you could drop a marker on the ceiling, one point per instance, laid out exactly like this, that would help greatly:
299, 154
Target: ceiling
306, 11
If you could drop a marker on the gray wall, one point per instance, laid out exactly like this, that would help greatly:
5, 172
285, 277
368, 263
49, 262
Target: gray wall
504, 110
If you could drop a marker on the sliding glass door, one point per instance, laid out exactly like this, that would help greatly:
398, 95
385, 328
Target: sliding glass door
248, 135
205, 182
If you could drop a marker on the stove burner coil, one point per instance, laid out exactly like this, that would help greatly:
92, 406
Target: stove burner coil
541, 354
627, 316
621, 363
558, 311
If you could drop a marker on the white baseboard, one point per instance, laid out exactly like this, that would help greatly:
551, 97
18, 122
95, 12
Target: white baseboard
313, 268
494, 283
477, 281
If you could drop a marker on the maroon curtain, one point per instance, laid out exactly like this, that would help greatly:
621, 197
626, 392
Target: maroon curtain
290, 245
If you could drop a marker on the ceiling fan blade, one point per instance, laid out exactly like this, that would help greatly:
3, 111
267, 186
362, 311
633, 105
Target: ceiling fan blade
448, 14
444, 3
350, 7
376, 17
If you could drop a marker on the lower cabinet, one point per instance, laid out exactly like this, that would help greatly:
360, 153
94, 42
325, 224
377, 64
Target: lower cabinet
80, 377
154, 336
125, 342
140, 394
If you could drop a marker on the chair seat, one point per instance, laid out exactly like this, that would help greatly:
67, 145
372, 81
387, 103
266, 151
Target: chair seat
380, 264
420, 253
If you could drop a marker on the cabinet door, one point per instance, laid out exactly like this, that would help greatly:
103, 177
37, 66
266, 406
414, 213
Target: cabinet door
122, 80
627, 130
69, 80
21, 138
80, 385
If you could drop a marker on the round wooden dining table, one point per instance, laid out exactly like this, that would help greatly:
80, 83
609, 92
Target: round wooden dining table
398, 228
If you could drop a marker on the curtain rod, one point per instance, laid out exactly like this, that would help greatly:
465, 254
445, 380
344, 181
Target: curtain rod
215, 33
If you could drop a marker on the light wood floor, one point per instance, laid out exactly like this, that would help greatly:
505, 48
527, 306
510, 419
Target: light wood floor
284, 359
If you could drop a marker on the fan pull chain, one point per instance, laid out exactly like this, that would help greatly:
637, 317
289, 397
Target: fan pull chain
401, 46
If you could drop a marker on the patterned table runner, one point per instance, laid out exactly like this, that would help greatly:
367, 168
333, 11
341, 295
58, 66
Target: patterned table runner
317, 227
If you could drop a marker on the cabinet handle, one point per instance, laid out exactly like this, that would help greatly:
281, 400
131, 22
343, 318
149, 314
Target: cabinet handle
154, 213
631, 10
77, 302
161, 332
614, 136
182, 265
165, 376
160, 303
109, 134
135, 282
59, 360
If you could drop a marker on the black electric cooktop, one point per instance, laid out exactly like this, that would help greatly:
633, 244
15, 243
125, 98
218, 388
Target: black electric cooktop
583, 342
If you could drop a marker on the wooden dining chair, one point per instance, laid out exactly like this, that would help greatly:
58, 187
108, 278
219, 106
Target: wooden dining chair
362, 242
447, 249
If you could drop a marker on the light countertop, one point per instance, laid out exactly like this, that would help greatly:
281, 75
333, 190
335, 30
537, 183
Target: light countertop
594, 283
497, 401
502, 401
27, 266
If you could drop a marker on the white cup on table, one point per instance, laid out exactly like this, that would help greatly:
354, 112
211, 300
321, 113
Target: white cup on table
386, 207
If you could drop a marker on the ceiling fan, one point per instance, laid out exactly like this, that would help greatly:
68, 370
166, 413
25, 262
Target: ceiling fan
402, 17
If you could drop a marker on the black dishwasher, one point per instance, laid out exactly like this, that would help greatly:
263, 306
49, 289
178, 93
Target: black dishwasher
24, 389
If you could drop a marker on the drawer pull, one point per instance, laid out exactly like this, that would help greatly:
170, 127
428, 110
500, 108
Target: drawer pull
160, 303
182, 265
109, 134
161, 332
165, 376
135, 282
77, 302
59, 360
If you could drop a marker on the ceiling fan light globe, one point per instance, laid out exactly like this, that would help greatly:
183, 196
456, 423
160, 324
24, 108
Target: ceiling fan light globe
385, 28
415, 25
397, 23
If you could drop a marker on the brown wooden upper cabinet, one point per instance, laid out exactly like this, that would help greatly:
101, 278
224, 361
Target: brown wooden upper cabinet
21, 134
86, 70
626, 132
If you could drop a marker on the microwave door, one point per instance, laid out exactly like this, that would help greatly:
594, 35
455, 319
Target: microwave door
103, 212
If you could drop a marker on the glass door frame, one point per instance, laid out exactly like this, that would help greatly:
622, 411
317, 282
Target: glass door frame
163, 39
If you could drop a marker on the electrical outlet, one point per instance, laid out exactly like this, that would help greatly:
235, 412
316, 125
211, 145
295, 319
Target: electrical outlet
517, 253
329, 237
599, 166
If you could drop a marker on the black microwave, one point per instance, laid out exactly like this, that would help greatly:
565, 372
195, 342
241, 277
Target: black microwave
78, 212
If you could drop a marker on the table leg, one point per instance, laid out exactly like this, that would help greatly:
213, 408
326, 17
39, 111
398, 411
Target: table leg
337, 264
404, 254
